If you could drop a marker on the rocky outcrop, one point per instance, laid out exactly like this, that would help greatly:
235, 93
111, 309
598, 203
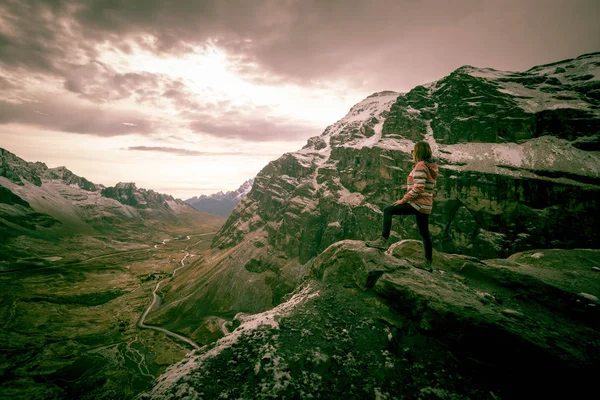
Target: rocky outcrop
221, 203
16, 169
63, 174
368, 324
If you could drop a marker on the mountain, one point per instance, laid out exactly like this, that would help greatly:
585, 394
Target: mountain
128, 193
44, 203
221, 203
519, 171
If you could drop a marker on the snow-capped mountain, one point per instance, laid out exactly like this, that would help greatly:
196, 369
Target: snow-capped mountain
221, 203
519, 169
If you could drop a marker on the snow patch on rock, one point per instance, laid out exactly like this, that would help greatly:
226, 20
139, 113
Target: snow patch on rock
175, 375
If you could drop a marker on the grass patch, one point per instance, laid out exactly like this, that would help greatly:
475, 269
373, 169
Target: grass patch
85, 299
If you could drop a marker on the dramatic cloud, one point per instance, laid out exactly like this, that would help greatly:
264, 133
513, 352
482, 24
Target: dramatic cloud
377, 41
98, 82
306, 40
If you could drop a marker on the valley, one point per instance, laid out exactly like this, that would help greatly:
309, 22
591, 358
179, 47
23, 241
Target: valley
72, 316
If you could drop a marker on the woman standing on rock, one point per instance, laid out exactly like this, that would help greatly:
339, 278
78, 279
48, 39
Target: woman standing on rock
418, 200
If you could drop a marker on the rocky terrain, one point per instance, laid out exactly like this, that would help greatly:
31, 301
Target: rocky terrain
221, 203
519, 170
77, 270
365, 324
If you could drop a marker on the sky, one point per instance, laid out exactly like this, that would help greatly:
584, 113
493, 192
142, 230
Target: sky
194, 97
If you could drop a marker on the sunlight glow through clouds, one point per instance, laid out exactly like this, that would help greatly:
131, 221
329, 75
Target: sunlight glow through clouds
211, 76
213, 162
210, 73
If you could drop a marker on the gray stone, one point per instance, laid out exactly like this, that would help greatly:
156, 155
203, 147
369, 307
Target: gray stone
513, 313
589, 297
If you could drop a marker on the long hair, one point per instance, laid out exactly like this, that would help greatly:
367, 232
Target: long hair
422, 151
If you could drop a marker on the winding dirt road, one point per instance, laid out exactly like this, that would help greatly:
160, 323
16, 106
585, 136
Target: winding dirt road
155, 298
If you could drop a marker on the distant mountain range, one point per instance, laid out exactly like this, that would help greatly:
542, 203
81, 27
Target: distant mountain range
221, 203
49, 203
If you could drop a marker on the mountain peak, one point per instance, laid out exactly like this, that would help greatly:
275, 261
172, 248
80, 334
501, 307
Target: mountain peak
221, 203
126, 185
20, 171
382, 93
513, 125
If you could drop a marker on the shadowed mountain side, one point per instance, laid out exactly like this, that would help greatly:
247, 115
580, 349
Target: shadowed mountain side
367, 324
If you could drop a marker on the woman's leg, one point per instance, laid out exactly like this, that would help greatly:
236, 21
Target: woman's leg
423, 225
401, 209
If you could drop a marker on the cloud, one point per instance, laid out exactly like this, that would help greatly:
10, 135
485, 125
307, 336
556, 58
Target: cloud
380, 42
35, 35
253, 129
98, 82
181, 152
6, 84
68, 115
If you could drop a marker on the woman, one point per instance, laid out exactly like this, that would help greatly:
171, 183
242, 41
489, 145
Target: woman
418, 200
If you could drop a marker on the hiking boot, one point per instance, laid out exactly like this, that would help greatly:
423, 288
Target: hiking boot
426, 265
379, 243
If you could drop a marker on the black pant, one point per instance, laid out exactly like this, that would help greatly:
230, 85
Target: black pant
422, 224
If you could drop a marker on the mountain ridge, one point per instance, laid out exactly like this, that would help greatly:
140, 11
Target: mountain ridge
16, 169
221, 203
44, 203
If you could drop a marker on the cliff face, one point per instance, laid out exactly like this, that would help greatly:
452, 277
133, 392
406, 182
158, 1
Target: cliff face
519, 170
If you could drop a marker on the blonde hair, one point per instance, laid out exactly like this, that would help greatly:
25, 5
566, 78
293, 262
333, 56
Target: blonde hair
422, 151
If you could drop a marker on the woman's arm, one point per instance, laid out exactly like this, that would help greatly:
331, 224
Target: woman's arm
419, 174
